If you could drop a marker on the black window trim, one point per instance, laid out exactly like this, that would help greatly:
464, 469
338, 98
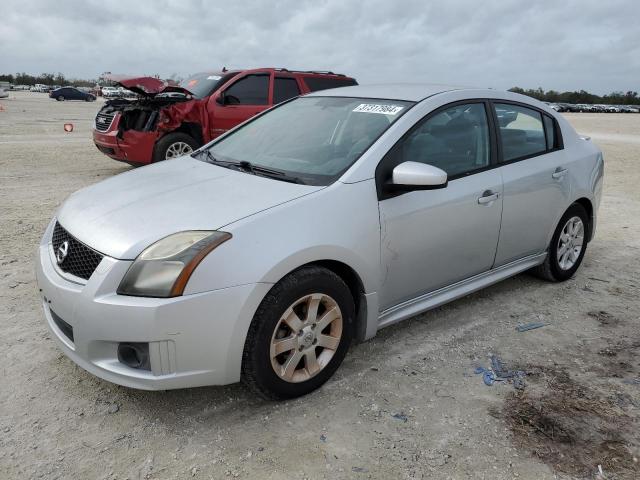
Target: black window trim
558, 141
495, 158
493, 145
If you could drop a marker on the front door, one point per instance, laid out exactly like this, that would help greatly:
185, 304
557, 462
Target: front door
434, 238
244, 98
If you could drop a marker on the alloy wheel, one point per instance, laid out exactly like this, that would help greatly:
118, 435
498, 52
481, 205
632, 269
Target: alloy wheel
570, 243
178, 149
306, 338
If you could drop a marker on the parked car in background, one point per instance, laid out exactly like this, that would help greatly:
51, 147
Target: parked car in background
3, 93
629, 108
110, 92
554, 106
71, 93
263, 254
170, 120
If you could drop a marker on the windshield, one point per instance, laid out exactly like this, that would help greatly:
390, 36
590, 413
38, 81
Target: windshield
204, 84
314, 139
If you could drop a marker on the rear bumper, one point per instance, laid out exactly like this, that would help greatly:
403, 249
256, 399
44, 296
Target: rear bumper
194, 340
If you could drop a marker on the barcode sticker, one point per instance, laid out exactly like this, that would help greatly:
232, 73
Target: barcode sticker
375, 108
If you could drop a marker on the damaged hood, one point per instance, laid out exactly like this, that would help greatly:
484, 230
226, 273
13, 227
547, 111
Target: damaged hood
123, 215
146, 86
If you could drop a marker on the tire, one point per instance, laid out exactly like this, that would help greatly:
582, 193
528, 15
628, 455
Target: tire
553, 269
174, 142
264, 373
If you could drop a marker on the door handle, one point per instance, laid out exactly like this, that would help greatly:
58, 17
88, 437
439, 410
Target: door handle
559, 173
488, 196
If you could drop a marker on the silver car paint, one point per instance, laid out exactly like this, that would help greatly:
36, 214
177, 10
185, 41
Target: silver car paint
124, 214
277, 227
433, 238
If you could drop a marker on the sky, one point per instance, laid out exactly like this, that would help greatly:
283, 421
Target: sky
553, 44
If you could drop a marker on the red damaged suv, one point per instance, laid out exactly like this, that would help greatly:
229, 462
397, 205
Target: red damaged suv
168, 121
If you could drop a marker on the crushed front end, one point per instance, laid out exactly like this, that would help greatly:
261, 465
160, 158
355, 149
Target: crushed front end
127, 130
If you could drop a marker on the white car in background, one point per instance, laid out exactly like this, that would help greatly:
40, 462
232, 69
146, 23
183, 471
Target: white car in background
328, 217
3, 93
110, 92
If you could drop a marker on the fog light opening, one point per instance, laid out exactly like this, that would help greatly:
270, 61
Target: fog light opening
134, 355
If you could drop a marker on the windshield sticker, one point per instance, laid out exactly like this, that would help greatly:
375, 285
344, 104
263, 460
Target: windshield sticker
214, 77
373, 108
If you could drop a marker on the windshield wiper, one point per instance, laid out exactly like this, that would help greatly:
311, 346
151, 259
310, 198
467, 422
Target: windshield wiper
249, 167
268, 172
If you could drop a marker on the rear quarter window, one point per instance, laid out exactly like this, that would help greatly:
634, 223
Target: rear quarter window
323, 83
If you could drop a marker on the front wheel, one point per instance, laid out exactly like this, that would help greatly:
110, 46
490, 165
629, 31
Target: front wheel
299, 335
567, 247
174, 145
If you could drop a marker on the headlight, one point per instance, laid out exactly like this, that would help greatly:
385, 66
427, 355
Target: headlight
163, 269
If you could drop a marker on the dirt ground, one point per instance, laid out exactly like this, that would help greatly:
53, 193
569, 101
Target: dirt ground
407, 404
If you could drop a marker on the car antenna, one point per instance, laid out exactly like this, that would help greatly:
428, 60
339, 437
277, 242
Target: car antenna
224, 69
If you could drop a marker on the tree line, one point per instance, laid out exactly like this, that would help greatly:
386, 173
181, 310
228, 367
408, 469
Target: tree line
45, 79
581, 96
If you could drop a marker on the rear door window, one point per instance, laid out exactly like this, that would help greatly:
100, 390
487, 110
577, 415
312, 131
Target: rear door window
284, 89
249, 90
522, 133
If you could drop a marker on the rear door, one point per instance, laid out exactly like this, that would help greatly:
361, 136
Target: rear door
284, 88
247, 96
535, 173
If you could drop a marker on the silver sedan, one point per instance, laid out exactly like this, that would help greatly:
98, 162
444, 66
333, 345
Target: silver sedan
264, 254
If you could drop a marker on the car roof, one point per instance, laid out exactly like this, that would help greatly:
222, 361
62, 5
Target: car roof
413, 92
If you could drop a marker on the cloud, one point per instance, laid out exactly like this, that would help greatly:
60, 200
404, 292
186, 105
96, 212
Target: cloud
492, 43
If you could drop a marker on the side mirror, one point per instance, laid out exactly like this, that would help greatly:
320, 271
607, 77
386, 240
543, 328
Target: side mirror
410, 176
220, 99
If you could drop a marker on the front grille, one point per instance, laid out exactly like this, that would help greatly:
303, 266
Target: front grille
64, 327
103, 121
79, 260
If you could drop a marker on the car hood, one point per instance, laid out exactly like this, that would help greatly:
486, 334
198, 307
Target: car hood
146, 86
123, 215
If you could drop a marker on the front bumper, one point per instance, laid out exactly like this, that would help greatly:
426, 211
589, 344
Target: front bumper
131, 146
194, 340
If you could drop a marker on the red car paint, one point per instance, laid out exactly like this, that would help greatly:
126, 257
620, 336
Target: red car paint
202, 119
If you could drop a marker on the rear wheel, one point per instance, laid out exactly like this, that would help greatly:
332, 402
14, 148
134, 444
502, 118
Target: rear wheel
174, 145
299, 335
567, 247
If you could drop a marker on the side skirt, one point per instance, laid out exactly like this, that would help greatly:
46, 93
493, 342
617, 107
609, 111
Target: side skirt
444, 295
